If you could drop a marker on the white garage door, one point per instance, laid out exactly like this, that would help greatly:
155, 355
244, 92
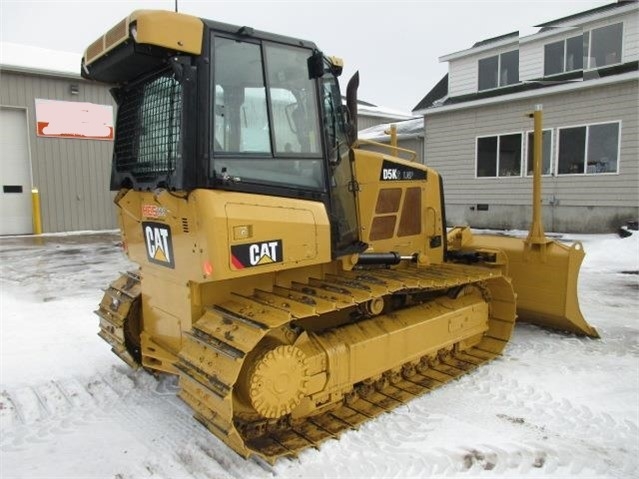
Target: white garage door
15, 173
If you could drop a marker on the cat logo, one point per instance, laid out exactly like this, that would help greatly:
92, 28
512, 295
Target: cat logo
159, 246
256, 254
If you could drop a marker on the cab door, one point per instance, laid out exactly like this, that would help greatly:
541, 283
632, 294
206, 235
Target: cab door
342, 185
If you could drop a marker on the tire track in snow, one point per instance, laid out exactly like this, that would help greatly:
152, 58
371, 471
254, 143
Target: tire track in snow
594, 436
9, 415
135, 401
182, 447
57, 407
494, 387
530, 340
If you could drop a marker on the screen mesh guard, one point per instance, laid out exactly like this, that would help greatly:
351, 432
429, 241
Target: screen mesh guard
148, 134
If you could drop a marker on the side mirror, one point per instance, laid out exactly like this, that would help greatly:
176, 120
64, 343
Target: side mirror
315, 65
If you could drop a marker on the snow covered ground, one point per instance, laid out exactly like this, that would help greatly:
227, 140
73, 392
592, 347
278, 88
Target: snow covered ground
553, 406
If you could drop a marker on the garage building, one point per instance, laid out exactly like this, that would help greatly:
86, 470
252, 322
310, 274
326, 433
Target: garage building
49, 141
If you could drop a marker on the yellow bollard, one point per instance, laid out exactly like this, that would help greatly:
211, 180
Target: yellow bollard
37, 217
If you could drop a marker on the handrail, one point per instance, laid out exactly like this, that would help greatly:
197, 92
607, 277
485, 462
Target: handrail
395, 149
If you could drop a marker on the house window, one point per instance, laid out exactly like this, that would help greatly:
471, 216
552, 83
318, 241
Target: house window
488, 68
554, 58
499, 70
594, 49
590, 149
499, 156
564, 56
605, 46
575, 53
487, 156
546, 149
509, 68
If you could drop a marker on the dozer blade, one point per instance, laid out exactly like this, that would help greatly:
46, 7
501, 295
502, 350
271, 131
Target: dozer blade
543, 272
544, 277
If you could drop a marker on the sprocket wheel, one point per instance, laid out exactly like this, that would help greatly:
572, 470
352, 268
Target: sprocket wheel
278, 381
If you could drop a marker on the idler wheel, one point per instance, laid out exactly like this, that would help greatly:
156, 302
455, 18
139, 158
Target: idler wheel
278, 381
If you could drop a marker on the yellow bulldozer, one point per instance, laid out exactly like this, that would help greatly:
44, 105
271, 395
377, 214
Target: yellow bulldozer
296, 283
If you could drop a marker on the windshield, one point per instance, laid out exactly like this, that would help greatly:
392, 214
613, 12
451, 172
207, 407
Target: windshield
266, 119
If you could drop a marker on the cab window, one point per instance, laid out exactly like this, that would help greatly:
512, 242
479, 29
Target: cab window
294, 101
241, 119
265, 115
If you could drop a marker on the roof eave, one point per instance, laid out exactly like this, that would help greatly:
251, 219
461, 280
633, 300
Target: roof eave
577, 25
484, 48
582, 18
563, 88
40, 71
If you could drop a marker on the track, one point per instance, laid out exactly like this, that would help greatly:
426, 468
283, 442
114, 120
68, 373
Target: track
368, 405
213, 354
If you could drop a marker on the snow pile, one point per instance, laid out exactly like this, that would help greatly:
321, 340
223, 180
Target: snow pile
554, 405
611, 253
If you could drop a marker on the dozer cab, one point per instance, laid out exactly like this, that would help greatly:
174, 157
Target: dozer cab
297, 284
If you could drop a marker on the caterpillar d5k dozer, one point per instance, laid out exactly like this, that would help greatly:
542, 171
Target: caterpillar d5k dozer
297, 284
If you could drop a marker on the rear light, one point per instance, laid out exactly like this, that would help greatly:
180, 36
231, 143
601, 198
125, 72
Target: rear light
207, 267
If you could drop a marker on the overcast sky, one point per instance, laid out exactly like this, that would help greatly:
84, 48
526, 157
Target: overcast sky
394, 44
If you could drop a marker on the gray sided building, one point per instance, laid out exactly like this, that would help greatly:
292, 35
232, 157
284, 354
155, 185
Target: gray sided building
583, 70
70, 169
